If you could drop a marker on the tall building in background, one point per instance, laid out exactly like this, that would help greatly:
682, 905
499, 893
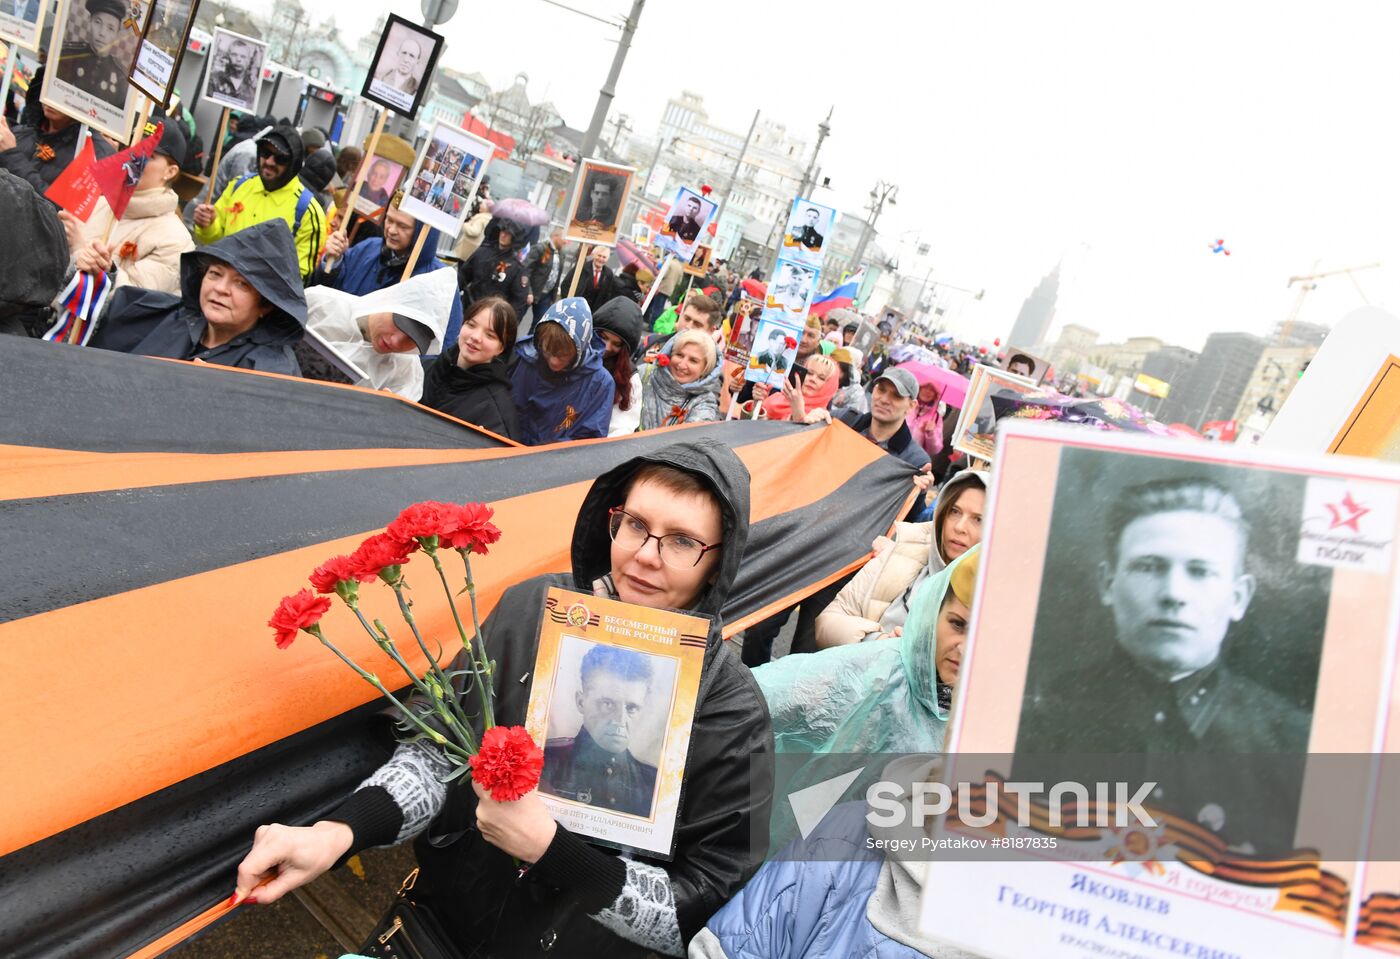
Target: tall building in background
1211, 389
1033, 322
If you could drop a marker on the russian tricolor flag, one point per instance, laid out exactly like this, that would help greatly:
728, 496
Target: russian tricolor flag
843, 297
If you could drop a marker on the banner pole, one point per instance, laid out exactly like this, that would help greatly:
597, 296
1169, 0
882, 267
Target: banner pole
218, 154
328, 263
423, 231
583, 252
660, 271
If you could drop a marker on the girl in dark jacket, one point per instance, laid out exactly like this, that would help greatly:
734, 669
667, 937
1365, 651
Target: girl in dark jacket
471, 379
504, 878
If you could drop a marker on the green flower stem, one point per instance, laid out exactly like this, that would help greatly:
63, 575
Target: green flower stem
447, 712
477, 642
433, 664
373, 680
487, 712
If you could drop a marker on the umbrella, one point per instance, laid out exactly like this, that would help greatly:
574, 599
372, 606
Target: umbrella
754, 288
629, 253
952, 387
909, 353
521, 211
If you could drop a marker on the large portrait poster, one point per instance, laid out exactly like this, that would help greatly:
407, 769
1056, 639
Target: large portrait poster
613, 699
234, 77
975, 432
596, 213
686, 223
1170, 700
808, 226
162, 48
445, 178
402, 66
88, 80
22, 22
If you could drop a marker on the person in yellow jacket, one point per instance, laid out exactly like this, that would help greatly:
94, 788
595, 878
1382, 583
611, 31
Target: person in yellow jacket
274, 193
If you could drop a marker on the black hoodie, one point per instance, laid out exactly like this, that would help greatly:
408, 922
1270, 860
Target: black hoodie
151, 323
34, 254
285, 137
479, 395
496, 271
727, 786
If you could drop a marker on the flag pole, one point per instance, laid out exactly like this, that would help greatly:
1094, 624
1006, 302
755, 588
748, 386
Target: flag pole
583, 252
423, 231
218, 154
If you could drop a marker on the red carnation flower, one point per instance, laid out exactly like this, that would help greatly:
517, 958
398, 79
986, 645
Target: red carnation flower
663, 360
336, 570
301, 610
789, 342
470, 528
421, 521
379, 553
509, 764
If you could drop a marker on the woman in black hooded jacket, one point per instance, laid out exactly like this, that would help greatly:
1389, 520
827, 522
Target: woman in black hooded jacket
471, 379
577, 899
495, 268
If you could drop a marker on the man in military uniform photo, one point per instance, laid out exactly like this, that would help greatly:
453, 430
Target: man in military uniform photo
686, 224
1175, 579
599, 203
806, 234
596, 766
88, 63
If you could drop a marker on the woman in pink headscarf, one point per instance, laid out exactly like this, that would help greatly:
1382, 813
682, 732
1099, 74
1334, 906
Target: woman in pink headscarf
818, 387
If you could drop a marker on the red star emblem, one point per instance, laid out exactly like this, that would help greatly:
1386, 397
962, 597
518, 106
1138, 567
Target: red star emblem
1347, 513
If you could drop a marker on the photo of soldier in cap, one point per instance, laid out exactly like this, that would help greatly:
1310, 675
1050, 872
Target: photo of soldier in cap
90, 58
1178, 642
617, 710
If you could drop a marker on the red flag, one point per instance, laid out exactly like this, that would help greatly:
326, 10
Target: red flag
75, 189
118, 175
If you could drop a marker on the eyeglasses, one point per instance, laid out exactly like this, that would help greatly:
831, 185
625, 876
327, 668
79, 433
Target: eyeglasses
266, 152
677, 549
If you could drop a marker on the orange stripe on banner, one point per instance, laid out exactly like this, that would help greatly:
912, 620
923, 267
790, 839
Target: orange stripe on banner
183, 931
31, 471
113, 699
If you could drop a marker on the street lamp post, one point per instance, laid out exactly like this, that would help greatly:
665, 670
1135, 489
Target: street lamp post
880, 194
609, 88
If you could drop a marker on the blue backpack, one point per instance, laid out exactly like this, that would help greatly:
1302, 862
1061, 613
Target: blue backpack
304, 199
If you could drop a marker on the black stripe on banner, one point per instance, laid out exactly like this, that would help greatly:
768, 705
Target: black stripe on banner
73, 397
112, 884
127, 539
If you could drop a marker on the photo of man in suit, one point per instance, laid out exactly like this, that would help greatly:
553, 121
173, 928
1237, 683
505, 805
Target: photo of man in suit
686, 223
596, 766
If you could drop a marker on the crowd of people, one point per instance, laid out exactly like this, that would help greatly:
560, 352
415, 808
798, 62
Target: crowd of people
263, 275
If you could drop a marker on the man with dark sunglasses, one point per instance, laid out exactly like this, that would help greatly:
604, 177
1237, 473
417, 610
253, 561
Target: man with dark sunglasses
275, 192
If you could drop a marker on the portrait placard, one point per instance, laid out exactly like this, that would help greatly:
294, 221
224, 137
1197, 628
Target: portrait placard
790, 293
975, 432
87, 80
162, 48
235, 71
1201, 640
402, 66
600, 193
808, 226
699, 261
22, 22
382, 181
686, 224
613, 699
772, 351
445, 178
1025, 363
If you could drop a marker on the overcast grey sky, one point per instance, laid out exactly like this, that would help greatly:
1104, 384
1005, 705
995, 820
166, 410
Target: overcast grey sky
1123, 137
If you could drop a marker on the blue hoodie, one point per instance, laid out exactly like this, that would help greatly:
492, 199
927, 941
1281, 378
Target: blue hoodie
365, 268
573, 405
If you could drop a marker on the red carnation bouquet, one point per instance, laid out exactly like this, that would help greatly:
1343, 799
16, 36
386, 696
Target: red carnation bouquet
506, 762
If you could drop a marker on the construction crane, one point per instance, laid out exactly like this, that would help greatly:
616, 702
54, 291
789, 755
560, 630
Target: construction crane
1309, 282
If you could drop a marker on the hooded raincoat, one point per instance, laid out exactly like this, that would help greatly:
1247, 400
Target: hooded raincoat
151, 323
341, 320
251, 201
579, 899
668, 403
877, 599
494, 270
370, 265
573, 405
34, 250
878, 697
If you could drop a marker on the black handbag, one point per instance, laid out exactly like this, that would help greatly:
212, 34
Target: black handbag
409, 930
